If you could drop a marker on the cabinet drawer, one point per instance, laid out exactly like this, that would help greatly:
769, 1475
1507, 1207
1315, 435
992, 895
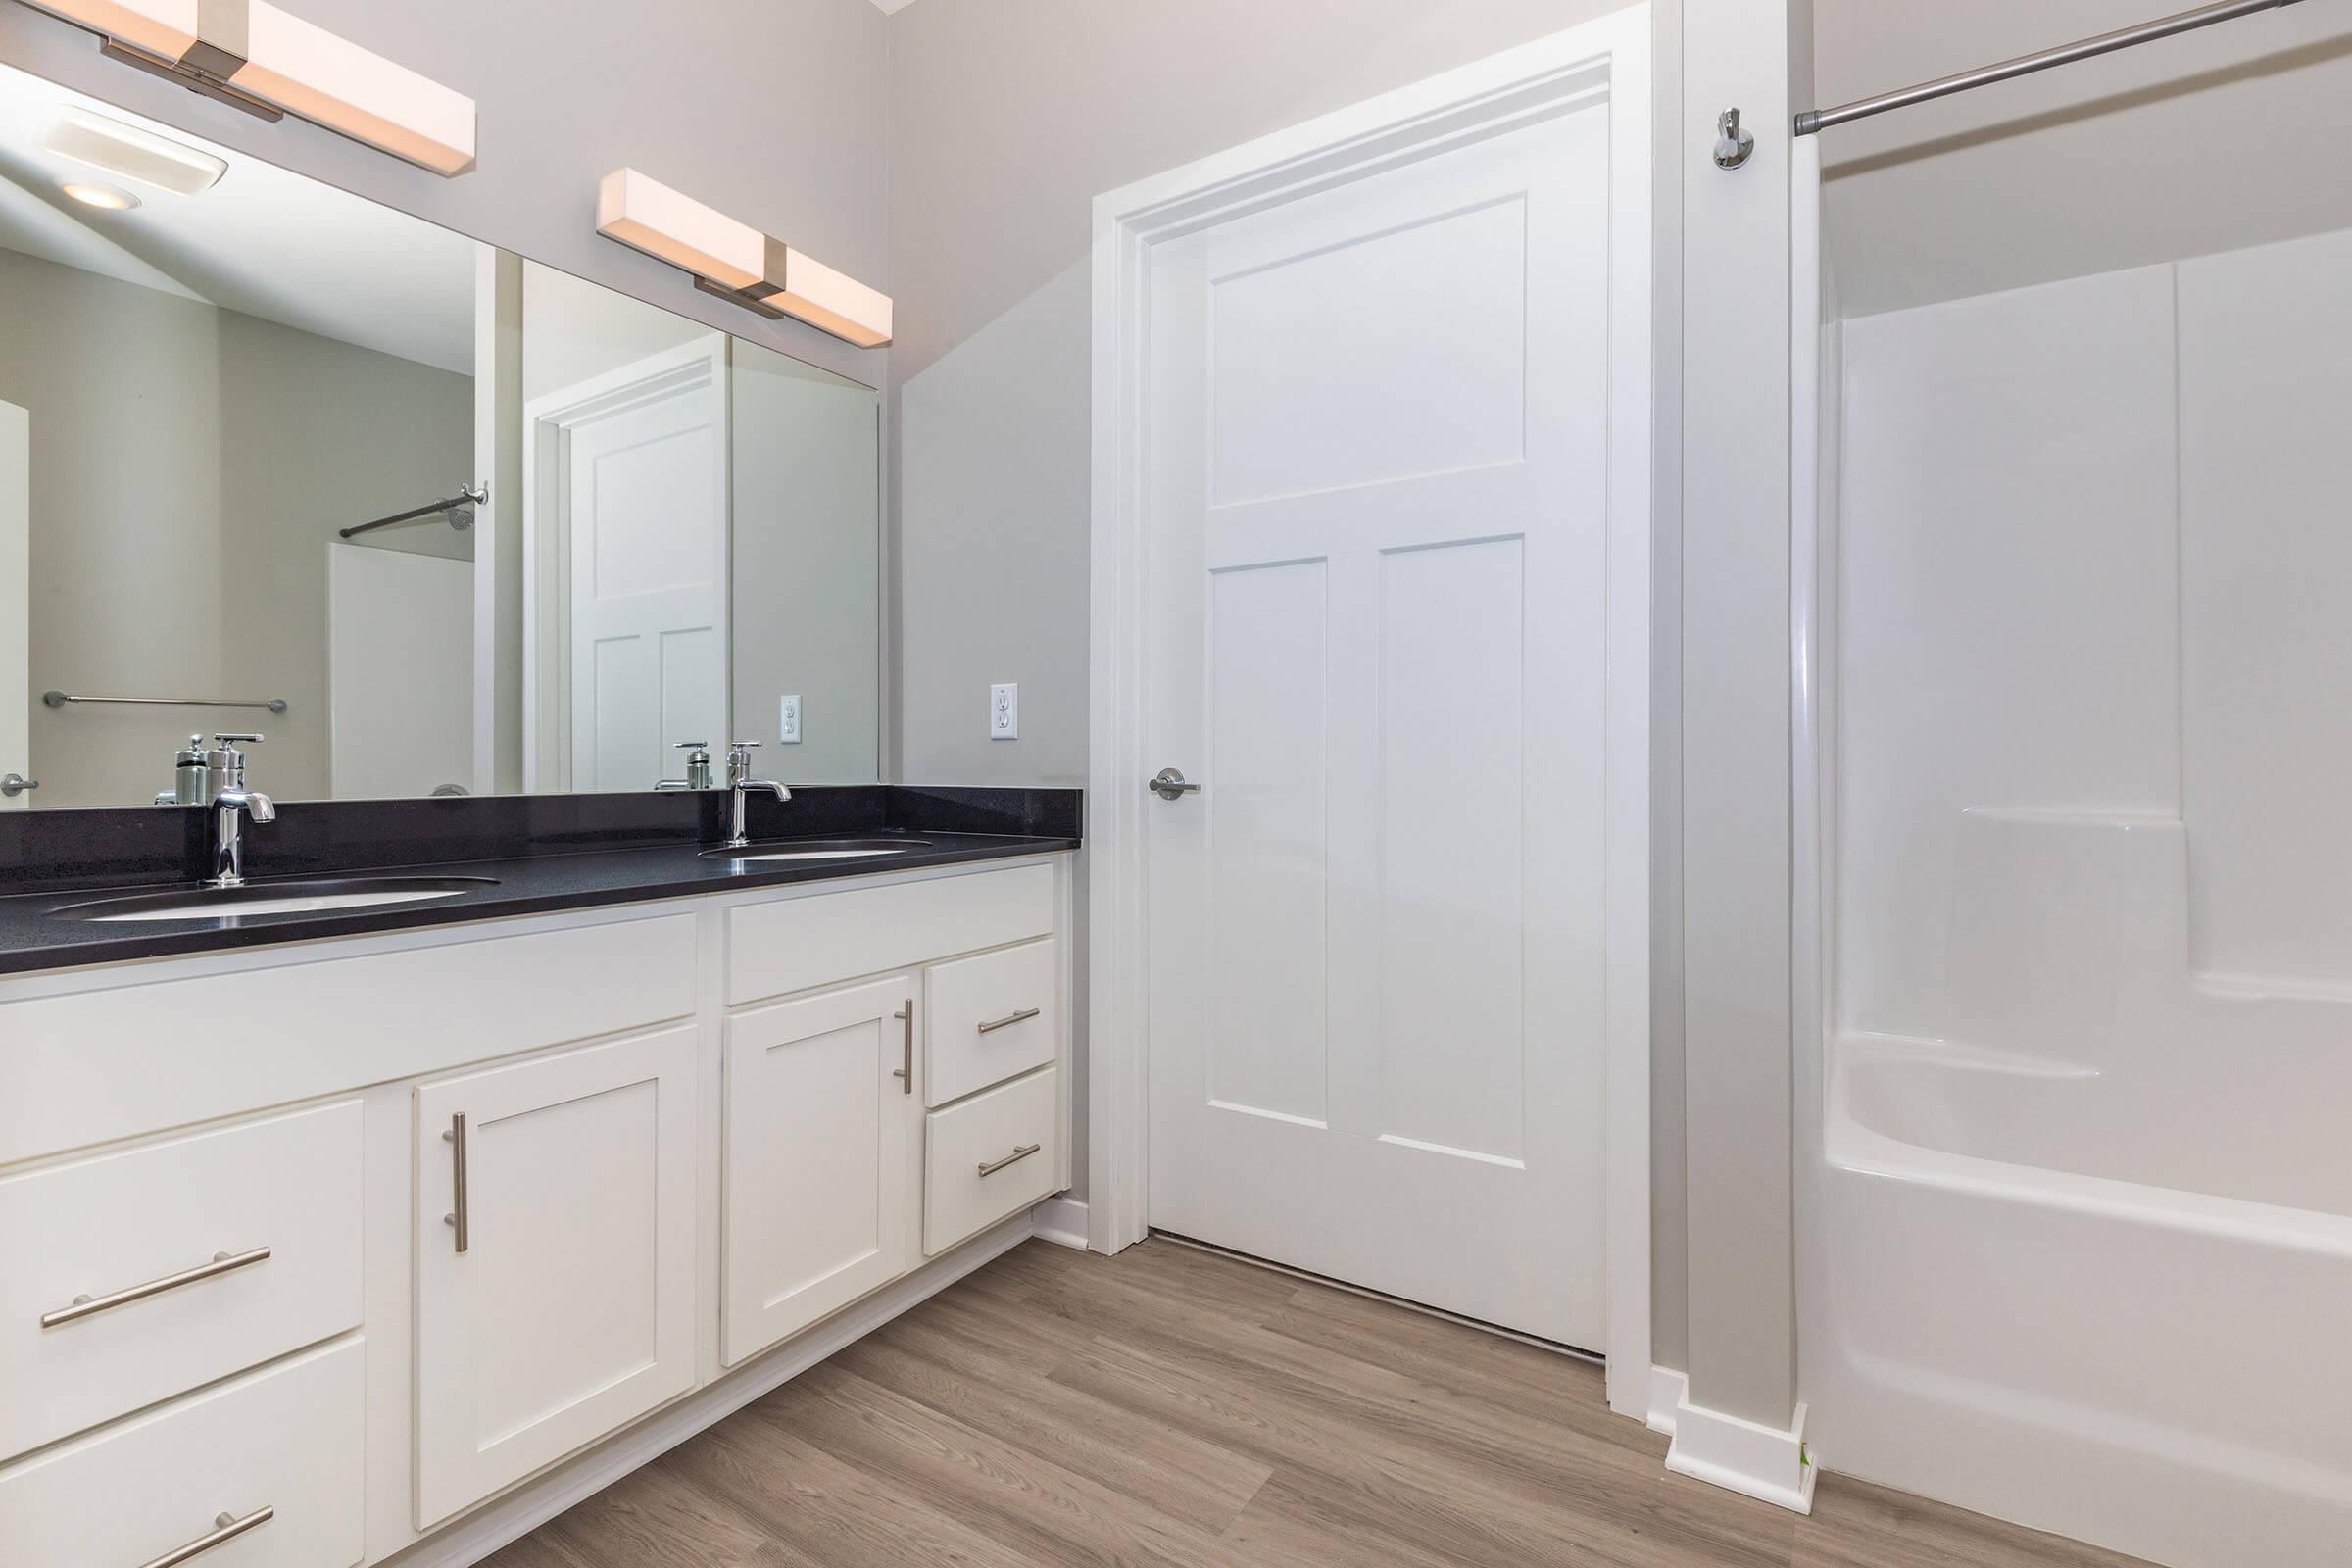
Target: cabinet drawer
797, 944
991, 1018
289, 1439
123, 1227
975, 1170
91, 1067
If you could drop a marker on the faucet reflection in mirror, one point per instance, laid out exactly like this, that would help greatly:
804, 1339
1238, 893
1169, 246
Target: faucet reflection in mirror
256, 57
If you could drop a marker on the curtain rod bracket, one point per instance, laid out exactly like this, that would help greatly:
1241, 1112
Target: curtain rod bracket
1732, 146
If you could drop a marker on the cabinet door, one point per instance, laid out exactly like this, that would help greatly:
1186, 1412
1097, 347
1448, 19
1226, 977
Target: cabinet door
569, 1310
819, 1125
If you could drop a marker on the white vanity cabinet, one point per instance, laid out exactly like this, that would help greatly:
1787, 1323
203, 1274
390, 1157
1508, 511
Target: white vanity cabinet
819, 1126
555, 1258
695, 1145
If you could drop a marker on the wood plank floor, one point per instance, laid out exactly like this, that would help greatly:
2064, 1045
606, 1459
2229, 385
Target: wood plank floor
1171, 1406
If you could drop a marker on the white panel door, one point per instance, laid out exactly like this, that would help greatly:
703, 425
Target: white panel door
16, 599
398, 673
1379, 503
818, 1122
571, 1310
646, 506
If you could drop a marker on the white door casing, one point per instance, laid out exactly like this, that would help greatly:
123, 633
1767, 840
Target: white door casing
571, 1310
15, 592
1396, 622
625, 612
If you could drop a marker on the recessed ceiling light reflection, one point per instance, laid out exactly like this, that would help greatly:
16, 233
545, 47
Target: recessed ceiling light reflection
105, 196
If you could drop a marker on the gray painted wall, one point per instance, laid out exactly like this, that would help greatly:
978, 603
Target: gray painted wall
1739, 1248
807, 461
125, 436
771, 109
316, 435
189, 468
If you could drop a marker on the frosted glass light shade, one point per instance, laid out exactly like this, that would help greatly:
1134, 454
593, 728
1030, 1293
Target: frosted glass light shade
769, 275
276, 57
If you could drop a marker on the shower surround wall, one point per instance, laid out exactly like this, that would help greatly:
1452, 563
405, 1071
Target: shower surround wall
2083, 1250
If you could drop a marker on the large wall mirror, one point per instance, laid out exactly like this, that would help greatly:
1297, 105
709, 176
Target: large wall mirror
215, 376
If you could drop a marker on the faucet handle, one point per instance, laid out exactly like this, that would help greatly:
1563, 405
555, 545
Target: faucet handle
743, 746
229, 742
692, 746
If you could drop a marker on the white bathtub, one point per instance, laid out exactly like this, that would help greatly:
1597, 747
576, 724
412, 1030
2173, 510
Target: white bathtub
2074, 906
2081, 1300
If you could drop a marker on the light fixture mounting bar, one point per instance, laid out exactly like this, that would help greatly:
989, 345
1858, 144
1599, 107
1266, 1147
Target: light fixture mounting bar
189, 77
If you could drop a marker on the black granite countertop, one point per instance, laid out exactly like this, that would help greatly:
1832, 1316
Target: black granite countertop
534, 880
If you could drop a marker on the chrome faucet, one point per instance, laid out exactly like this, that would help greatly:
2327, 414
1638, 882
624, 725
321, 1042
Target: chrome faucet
232, 802
741, 783
698, 769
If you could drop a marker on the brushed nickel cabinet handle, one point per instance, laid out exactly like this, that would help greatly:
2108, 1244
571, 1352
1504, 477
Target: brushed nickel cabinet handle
457, 1218
225, 1528
1009, 1020
904, 1073
90, 1305
1015, 1157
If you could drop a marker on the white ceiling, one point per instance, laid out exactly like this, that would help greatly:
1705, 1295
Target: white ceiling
2218, 139
263, 241
889, 7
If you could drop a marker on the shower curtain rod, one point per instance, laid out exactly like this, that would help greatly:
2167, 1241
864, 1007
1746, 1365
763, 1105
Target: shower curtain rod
1814, 120
459, 507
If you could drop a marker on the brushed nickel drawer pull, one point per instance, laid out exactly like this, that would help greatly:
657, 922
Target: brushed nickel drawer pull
90, 1305
225, 1528
1009, 1020
1013, 1158
458, 1218
905, 1072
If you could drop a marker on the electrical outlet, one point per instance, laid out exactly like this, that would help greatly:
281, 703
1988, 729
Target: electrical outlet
788, 719
1004, 713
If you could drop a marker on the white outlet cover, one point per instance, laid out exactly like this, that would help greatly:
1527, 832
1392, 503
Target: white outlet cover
1004, 713
788, 721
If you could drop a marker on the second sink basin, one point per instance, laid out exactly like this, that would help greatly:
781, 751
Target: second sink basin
274, 898
818, 850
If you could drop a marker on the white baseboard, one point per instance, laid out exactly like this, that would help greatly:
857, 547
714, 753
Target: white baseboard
533, 1503
1061, 1222
1666, 1390
1761, 1461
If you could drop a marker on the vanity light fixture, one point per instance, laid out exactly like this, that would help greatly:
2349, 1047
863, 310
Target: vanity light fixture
268, 61
106, 196
735, 262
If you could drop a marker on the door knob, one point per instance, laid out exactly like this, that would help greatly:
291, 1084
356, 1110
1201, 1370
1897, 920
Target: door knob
1168, 783
15, 784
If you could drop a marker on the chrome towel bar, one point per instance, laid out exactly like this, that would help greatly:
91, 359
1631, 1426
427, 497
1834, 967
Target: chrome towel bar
275, 705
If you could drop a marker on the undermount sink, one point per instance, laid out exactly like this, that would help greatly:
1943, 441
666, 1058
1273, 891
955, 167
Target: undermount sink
275, 898
818, 850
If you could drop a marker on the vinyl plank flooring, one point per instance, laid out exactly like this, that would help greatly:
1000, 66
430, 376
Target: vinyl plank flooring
1052, 1514
657, 1518
1175, 1409
1150, 1465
